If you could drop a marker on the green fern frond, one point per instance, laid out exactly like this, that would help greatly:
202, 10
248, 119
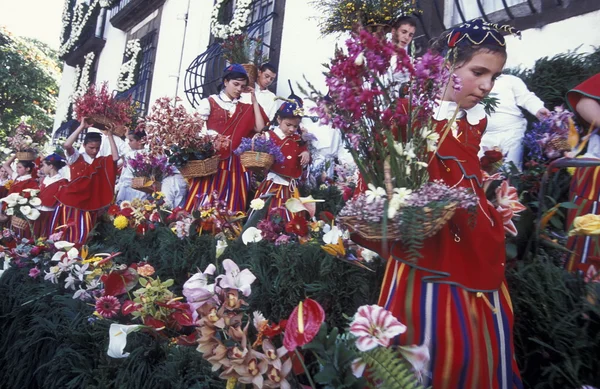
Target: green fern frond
389, 370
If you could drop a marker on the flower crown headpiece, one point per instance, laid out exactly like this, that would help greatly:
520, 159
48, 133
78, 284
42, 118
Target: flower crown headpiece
478, 32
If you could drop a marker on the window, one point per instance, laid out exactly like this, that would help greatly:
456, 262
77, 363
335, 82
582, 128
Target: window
470, 9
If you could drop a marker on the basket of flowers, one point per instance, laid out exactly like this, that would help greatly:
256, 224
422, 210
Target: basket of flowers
149, 171
258, 153
103, 111
375, 15
26, 142
172, 130
21, 207
392, 141
245, 50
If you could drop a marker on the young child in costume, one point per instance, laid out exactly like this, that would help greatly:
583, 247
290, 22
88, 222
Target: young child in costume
227, 115
584, 100
454, 299
136, 146
281, 180
23, 178
44, 226
92, 184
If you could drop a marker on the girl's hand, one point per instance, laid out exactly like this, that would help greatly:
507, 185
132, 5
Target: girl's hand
304, 158
109, 128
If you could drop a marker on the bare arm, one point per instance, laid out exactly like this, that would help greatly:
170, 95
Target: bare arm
68, 145
259, 121
114, 151
6, 166
589, 110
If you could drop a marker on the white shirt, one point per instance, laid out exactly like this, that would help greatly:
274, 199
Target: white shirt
105, 145
222, 101
512, 94
265, 98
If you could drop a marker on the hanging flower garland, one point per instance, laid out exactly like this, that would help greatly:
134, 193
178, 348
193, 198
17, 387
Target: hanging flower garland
80, 19
82, 79
127, 74
238, 22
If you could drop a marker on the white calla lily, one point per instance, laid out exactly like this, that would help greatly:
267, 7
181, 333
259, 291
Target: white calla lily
73, 253
10, 211
252, 235
63, 245
117, 335
22, 200
34, 214
35, 202
25, 210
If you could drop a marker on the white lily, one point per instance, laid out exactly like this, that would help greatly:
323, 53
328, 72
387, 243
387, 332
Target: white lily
117, 335
10, 211
374, 193
252, 235
221, 246
35, 202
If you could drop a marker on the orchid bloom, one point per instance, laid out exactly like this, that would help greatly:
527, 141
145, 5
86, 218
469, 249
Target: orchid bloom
117, 335
276, 376
236, 279
303, 324
487, 179
508, 197
374, 326
333, 235
374, 193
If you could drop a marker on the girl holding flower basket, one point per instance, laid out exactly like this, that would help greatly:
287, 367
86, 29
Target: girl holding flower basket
281, 180
136, 145
447, 287
92, 184
230, 117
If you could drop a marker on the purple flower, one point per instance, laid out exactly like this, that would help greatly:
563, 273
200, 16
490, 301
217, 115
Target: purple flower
261, 145
34, 272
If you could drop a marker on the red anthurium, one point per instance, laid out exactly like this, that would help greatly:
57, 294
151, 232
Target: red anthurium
187, 340
129, 307
154, 323
298, 225
303, 324
183, 318
174, 305
119, 282
327, 217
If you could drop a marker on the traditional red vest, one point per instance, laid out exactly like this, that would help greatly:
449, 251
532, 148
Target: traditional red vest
291, 147
48, 193
20, 186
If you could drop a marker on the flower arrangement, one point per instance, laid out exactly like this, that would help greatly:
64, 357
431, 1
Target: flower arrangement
128, 73
27, 139
259, 153
243, 49
347, 15
172, 130
392, 140
23, 208
143, 215
99, 107
549, 138
147, 165
220, 30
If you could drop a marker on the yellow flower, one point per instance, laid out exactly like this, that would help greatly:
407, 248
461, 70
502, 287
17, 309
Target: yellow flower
158, 195
586, 225
92, 260
121, 222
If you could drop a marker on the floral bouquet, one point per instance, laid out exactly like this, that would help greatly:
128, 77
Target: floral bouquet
348, 15
27, 141
143, 215
258, 153
23, 208
148, 171
392, 140
104, 111
179, 134
549, 138
245, 50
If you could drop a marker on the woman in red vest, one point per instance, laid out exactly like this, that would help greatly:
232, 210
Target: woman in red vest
92, 184
23, 178
226, 114
44, 226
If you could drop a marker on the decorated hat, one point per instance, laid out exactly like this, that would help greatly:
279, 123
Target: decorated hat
234, 68
54, 158
480, 32
290, 108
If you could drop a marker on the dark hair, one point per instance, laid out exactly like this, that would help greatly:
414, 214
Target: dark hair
235, 76
267, 66
57, 163
405, 20
464, 50
28, 165
92, 137
137, 135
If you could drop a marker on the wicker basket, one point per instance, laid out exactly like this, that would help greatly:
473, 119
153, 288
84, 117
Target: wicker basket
101, 122
370, 231
254, 160
206, 167
141, 184
26, 156
252, 71
19, 223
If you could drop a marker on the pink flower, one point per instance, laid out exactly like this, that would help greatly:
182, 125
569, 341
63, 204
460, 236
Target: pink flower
507, 215
418, 356
108, 306
374, 326
507, 197
34, 272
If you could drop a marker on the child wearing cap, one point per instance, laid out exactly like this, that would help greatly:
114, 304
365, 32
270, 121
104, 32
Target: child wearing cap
281, 180
225, 114
92, 184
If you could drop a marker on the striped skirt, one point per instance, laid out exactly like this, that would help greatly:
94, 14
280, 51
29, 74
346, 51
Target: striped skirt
230, 183
469, 333
279, 195
77, 224
44, 226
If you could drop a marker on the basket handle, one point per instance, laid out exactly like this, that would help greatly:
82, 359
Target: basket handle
387, 174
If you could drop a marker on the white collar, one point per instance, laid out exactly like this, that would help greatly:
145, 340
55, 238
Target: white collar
279, 133
51, 180
446, 110
23, 178
257, 89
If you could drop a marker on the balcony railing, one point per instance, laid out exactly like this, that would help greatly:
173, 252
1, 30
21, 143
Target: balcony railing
127, 13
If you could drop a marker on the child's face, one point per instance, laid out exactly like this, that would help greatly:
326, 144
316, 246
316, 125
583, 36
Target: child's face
289, 126
234, 88
3, 173
477, 78
46, 169
404, 35
135, 144
22, 170
92, 148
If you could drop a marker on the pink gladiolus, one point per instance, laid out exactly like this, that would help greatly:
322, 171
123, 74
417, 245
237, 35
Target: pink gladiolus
374, 326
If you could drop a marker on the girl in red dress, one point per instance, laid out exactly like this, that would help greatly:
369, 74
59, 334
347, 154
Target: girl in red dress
22, 179
227, 115
454, 299
281, 180
92, 184
44, 226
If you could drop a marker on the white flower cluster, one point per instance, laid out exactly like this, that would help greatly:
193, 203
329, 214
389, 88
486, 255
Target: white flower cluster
238, 22
127, 73
80, 18
82, 78
106, 3
20, 206
66, 19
